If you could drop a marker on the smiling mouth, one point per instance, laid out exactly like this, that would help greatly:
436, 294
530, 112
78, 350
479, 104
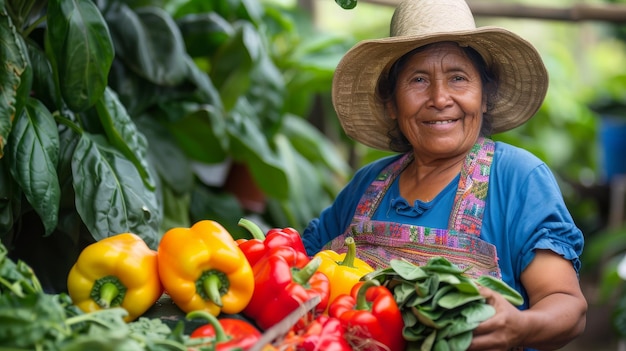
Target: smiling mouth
441, 122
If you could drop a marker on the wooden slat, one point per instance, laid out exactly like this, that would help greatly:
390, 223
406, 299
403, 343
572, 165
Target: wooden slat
578, 12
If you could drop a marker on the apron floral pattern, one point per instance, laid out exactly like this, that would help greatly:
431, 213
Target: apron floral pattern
460, 243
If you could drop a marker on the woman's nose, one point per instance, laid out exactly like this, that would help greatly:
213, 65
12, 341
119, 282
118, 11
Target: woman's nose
439, 94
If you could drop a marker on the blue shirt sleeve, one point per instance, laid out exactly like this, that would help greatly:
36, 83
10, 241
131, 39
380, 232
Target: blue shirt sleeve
526, 212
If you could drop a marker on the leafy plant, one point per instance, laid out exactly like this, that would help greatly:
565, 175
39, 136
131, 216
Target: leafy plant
440, 304
128, 117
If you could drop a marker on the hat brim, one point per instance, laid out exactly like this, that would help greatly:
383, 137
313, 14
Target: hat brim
522, 80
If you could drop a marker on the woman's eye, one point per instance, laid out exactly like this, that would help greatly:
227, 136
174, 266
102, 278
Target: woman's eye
458, 78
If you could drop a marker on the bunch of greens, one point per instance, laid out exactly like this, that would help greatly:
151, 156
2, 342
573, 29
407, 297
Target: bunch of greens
441, 306
31, 319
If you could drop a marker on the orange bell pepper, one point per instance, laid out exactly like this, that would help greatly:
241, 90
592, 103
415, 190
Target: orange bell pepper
120, 270
201, 268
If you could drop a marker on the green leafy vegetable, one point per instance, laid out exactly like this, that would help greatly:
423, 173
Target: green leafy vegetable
440, 305
31, 319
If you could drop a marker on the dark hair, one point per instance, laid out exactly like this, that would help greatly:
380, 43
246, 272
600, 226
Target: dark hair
386, 90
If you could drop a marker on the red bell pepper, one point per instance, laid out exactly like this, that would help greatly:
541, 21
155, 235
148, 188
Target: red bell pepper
370, 312
324, 334
282, 284
257, 247
226, 333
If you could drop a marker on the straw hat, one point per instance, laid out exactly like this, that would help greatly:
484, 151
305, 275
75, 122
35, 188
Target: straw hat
522, 76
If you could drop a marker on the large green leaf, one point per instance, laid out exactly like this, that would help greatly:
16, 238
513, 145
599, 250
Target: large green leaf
137, 94
202, 135
206, 90
250, 146
8, 195
314, 146
14, 65
307, 197
149, 42
43, 87
204, 33
82, 48
110, 195
266, 95
167, 157
34, 156
233, 63
122, 133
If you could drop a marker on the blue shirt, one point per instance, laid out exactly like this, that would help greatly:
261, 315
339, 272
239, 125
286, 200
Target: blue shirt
524, 211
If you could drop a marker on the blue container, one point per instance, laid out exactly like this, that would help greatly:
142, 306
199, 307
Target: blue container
613, 145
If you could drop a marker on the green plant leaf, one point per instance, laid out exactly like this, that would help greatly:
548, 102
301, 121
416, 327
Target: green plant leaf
136, 93
461, 342
441, 345
83, 52
166, 156
429, 341
221, 207
430, 318
314, 146
175, 209
7, 200
148, 40
407, 270
477, 312
233, 64
618, 316
43, 87
17, 314
455, 299
204, 33
346, 4
455, 327
501, 287
202, 135
14, 65
250, 146
305, 184
34, 157
123, 134
111, 196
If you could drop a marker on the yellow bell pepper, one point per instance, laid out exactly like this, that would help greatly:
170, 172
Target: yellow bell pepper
118, 271
202, 268
343, 270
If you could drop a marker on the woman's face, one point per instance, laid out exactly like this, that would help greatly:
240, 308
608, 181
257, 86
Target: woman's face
439, 101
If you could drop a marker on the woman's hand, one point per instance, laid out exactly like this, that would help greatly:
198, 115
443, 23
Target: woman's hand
503, 330
557, 312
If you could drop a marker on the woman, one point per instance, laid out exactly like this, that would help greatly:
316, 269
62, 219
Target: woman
433, 92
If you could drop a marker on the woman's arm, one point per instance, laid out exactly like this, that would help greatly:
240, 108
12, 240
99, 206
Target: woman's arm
556, 316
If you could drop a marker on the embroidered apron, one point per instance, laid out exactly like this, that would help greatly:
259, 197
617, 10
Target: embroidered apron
379, 241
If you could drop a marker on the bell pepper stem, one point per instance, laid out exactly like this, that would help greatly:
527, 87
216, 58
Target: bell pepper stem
220, 334
253, 228
350, 256
361, 300
304, 274
108, 292
212, 285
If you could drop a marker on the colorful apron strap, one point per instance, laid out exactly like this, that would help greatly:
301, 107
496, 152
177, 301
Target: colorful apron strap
376, 191
469, 203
